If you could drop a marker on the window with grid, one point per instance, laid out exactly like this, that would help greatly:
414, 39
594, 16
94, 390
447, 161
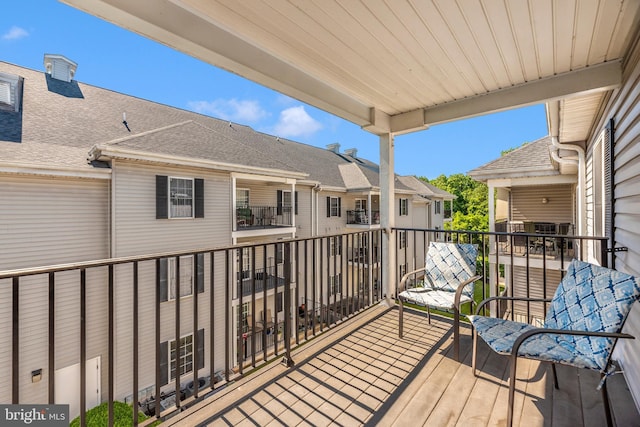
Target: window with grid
402, 239
404, 207
335, 246
186, 276
181, 356
334, 206
244, 270
334, 284
437, 207
242, 198
180, 197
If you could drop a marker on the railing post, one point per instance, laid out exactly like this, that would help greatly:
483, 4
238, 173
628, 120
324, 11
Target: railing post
286, 360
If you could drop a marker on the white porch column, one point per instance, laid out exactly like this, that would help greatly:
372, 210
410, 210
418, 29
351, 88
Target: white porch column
234, 211
387, 217
493, 244
293, 206
369, 208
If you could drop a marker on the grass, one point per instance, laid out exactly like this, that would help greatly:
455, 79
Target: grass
122, 416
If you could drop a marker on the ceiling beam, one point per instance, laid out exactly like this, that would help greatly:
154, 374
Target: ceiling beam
172, 24
596, 78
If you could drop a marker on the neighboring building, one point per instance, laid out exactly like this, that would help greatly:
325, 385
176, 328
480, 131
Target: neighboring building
533, 193
87, 173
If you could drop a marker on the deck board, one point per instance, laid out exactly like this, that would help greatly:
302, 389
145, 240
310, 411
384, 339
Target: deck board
361, 373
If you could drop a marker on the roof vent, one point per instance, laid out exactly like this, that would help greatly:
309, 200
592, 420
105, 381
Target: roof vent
353, 152
334, 147
59, 67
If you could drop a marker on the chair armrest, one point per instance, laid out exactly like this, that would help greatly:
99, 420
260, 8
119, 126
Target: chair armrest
488, 300
403, 281
460, 288
526, 335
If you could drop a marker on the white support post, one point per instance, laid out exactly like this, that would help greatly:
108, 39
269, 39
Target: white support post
234, 211
369, 211
387, 217
493, 243
293, 206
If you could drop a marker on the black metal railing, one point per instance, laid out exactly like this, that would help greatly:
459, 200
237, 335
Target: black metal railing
555, 238
263, 217
139, 304
361, 217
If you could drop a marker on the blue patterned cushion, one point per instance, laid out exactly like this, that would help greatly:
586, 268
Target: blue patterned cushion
500, 335
589, 298
449, 264
592, 298
432, 298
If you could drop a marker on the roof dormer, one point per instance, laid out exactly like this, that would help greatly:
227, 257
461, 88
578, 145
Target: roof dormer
9, 92
59, 67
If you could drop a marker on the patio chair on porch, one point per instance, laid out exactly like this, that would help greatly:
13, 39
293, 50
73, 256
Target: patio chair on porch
584, 321
446, 282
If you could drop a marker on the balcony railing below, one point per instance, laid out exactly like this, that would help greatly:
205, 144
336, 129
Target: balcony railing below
361, 217
548, 239
257, 217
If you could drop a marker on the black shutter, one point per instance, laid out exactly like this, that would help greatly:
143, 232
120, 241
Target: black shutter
164, 363
279, 199
200, 348
200, 272
400, 207
328, 207
295, 203
339, 206
164, 283
162, 204
199, 197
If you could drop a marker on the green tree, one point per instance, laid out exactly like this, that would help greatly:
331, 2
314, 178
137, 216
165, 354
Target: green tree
471, 209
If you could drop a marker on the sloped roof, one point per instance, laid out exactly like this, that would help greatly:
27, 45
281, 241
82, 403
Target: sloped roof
532, 159
60, 122
424, 188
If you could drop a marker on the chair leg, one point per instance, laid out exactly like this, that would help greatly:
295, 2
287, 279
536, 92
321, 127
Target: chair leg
605, 400
555, 376
401, 319
474, 338
456, 334
512, 391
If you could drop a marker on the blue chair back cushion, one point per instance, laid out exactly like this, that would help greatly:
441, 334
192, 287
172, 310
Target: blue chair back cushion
449, 264
591, 298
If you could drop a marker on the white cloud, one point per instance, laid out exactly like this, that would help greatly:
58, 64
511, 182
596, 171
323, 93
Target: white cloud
295, 121
241, 111
15, 33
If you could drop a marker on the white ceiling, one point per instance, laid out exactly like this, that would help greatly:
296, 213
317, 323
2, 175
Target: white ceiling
400, 65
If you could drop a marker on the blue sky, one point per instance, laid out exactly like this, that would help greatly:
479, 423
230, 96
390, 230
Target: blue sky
117, 59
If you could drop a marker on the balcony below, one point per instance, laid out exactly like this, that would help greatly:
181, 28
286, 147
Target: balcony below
361, 373
362, 217
258, 220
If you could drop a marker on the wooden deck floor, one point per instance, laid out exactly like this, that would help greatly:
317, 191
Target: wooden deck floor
360, 373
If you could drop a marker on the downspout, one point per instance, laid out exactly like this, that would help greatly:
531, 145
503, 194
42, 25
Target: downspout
582, 203
553, 121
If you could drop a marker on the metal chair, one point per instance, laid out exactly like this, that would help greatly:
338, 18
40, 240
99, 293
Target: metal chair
447, 282
584, 321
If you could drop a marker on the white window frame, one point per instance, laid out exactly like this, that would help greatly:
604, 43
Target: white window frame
334, 206
171, 198
335, 246
402, 239
437, 207
248, 200
245, 253
186, 359
335, 282
404, 207
361, 205
286, 203
186, 275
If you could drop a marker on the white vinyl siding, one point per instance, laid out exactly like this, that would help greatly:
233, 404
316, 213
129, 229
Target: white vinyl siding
624, 107
49, 220
137, 231
527, 205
